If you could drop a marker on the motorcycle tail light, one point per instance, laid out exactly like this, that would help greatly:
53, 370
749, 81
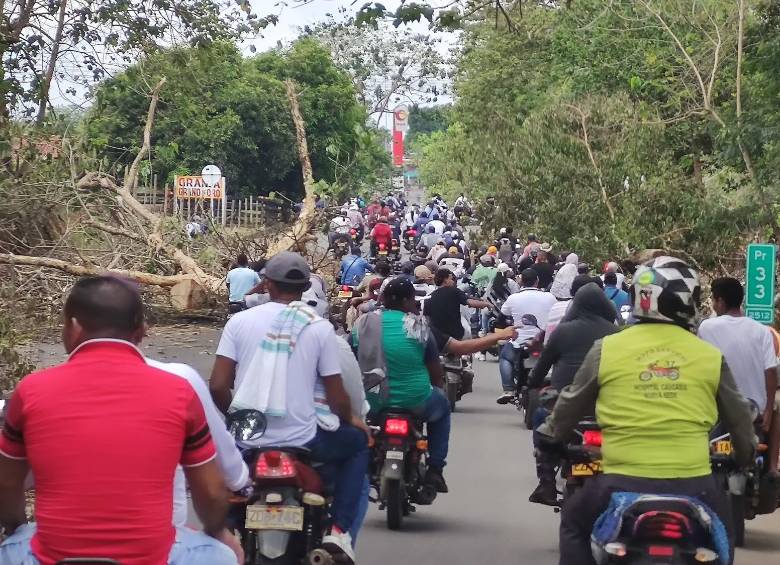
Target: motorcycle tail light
705, 555
411, 232
662, 525
592, 438
275, 465
382, 246
396, 427
345, 288
353, 231
660, 550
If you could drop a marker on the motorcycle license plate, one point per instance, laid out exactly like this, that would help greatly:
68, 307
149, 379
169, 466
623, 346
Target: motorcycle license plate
585, 469
529, 363
345, 294
261, 517
723, 447
396, 455
383, 252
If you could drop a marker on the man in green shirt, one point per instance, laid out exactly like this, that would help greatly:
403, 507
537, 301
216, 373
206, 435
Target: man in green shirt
415, 375
657, 391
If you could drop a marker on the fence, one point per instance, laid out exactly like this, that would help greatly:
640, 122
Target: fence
252, 211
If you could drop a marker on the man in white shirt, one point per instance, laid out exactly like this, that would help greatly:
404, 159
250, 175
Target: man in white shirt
613, 267
339, 228
529, 301
748, 348
314, 359
231, 464
437, 224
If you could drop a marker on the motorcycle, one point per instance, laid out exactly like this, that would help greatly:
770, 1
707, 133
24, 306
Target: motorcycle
459, 377
395, 250
397, 468
339, 305
409, 240
284, 514
751, 491
655, 529
340, 247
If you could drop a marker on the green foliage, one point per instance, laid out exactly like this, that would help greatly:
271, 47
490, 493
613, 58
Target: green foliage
218, 107
427, 119
590, 127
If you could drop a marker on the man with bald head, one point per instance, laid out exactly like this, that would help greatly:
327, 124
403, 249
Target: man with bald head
102, 434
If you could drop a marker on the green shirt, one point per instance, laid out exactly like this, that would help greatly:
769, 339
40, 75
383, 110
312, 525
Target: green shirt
483, 276
410, 383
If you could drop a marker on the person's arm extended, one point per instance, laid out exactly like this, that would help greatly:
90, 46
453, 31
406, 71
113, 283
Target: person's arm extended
476, 303
576, 400
12, 504
548, 358
209, 496
734, 411
467, 346
771, 391
223, 375
337, 397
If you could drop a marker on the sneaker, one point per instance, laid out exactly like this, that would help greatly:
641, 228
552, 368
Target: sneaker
505, 398
544, 493
435, 478
339, 545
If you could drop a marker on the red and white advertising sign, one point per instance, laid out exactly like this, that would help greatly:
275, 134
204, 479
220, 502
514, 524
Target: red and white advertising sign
398, 148
401, 118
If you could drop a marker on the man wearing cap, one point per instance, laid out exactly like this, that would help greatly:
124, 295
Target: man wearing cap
313, 363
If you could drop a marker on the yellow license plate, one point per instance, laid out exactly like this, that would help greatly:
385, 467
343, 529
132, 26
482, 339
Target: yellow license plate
383, 252
723, 447
586, 469
345, 294
261, 517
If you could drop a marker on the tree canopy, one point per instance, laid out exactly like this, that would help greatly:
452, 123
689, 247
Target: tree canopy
218, 107
612, 128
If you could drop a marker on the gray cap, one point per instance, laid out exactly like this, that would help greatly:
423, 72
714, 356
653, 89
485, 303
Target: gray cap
287, 267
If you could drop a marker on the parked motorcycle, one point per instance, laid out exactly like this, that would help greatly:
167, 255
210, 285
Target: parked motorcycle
398, 465
283, 516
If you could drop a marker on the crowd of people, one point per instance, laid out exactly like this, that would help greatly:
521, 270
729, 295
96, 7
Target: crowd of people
138, 429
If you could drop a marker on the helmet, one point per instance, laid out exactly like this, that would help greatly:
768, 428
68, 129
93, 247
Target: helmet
666, 289
502, 231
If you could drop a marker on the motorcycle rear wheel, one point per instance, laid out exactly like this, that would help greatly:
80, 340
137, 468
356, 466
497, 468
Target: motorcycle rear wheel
452, 395
395, 504
737, 503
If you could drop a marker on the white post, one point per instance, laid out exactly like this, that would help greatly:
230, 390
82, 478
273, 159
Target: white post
224, 201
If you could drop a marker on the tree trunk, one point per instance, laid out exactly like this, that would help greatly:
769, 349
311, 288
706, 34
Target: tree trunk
55, 52
306, 220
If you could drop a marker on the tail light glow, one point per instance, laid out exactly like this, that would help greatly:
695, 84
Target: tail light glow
275, 465
592, 438
660, 551
382, 246
345, 288
396, 427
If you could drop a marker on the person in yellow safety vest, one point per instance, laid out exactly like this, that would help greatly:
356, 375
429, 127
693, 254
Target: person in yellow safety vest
656, 390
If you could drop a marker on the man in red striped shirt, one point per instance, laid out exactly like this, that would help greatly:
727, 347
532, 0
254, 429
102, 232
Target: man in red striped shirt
102, 434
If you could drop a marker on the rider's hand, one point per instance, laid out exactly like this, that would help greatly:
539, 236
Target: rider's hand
508, 333
360, 424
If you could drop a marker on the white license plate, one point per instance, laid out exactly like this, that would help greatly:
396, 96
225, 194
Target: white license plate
529, 363
396, 455
261, 517
345, 294
383, 252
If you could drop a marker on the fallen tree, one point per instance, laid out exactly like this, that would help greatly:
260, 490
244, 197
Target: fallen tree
192, 283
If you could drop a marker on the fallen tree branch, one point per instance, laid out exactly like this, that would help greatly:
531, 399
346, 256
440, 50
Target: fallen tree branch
84, 271
114, 230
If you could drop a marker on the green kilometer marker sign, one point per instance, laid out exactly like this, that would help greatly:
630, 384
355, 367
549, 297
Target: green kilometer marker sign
760, 278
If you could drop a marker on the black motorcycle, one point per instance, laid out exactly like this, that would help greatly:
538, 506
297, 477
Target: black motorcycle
339, 305
283, 516
458, 376
398, 467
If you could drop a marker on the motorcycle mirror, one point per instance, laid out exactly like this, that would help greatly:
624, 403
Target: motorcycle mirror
246, 425
529, 320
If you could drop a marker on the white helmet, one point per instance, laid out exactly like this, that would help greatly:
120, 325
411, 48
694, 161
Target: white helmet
666, 289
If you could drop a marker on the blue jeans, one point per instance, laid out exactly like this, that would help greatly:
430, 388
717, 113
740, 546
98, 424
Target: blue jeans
506, 360
345, 453
436, 412
361, 513
190, 548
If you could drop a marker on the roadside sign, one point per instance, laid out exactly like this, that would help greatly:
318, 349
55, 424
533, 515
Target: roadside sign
401, 118
211, 175
196, 187
760, 282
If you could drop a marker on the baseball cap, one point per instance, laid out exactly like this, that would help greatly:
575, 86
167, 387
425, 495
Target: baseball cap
423, 273
287, 267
